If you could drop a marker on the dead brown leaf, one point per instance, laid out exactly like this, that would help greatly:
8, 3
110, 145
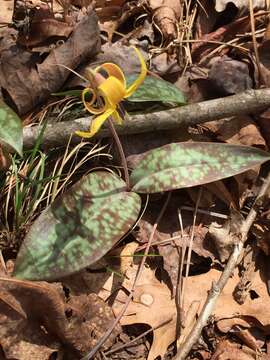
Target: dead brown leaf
168, 228
240, 130
207, 16
166, 14
164, 64
229, 76
23, 342
77, 323
223, 34
6, 11
227, 350
152, 303
263, 122
5, 159
42, 27
20, 74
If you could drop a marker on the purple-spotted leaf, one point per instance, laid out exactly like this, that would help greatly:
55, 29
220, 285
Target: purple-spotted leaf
154, 89
180, 165
10, 128
78, 228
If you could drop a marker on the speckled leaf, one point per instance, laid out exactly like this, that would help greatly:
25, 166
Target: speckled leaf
10, 128
78, 228
154, 89
180, 165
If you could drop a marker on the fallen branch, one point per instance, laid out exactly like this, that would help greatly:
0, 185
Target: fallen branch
247, 102
217, 288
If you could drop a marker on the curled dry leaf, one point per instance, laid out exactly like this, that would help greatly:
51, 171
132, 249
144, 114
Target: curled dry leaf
166, 14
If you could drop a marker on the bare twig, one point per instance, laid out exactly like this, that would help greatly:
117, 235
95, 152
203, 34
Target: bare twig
57, 134
218, 287
102, 340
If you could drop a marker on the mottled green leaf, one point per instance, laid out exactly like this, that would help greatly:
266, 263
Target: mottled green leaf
10, 128
154, 89
180, 165
78, 228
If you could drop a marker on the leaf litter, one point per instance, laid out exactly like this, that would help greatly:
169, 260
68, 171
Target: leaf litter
207, 50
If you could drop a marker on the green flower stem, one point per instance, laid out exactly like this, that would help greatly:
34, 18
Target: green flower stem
120, 151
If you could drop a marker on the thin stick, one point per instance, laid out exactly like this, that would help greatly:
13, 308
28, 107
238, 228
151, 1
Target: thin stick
140, 270
57, 134
217, 288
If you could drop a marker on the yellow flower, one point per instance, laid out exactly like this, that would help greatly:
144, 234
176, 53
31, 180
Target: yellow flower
111, 91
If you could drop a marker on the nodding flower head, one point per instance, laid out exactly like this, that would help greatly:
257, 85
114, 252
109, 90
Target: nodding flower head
110, 91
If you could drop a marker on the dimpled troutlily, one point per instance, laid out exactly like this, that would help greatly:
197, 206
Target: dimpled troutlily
110, 92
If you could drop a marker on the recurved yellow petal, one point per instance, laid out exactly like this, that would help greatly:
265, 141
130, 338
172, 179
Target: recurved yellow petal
132, 88
113, 70
96, 124
88, 104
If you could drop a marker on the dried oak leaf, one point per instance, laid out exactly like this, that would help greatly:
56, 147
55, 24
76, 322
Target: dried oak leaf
29, 83
89, 321
152, 303
166, 14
